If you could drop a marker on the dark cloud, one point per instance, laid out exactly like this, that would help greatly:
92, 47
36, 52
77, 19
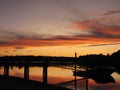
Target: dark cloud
112, 12
6, 51
100, 34
4, 42
19, 47
74, 37
13, 35
10, 34
14, 50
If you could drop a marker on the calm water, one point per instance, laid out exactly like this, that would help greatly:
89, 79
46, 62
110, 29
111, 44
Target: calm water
58, 75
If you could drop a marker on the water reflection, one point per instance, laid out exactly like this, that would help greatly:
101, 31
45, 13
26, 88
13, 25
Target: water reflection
100, 75
58, 75
55, 75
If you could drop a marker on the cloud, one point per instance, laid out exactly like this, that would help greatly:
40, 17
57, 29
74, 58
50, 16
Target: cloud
85, 25
14, 50
61, 40
95, 33
4, 42
98, 29
110, 12
10, 35
19, 47
6, 51
94, 45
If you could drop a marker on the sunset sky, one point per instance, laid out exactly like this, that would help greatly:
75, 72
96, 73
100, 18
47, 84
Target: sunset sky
59, 27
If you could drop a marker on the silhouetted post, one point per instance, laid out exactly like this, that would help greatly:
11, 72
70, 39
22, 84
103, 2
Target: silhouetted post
45, 66
26, 72
6, 70
75, 70
86, 79
86, 83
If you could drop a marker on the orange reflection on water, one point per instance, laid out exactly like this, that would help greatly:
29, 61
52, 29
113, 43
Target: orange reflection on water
55, 75
58, 75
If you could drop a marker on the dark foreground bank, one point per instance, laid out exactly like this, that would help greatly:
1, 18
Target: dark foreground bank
15, 83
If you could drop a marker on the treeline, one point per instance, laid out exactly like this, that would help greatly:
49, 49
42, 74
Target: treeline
36, 58
91, 61
112, 60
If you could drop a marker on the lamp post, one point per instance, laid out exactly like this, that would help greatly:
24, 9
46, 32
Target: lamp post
75, 62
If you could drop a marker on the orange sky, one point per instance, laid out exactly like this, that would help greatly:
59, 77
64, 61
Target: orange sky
59, 28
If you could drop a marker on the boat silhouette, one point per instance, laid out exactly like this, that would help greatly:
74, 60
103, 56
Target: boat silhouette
99, 75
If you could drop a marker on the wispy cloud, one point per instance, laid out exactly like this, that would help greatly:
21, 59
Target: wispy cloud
98, 29
109, 12
9, 34
19, 47
95, 33
106, 44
